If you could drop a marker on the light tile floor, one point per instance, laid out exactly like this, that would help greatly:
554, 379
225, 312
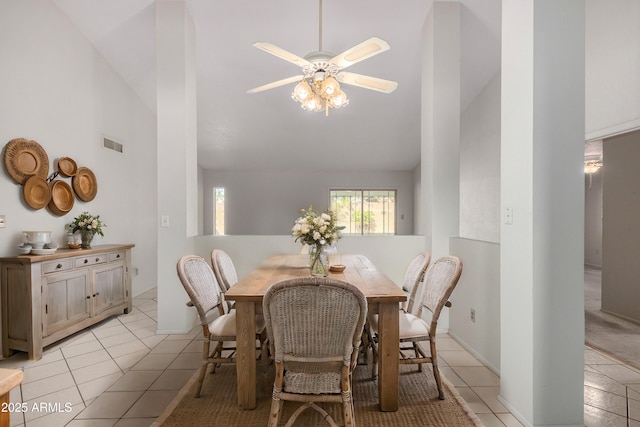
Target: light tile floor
120, 373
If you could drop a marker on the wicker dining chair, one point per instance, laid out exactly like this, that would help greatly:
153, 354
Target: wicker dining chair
412, 285
440, 280
314, 326
413, 278
201, 285
225, 272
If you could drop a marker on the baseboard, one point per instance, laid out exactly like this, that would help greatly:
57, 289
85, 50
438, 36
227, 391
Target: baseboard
475, 354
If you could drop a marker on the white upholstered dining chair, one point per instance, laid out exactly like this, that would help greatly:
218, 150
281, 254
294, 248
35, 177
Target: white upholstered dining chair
225, 272
413, 278
314, 327
200, 283
412, 285
440, 280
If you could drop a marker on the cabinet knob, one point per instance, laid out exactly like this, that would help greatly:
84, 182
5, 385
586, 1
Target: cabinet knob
86, 261
97, 259
118, 256
88, 296
59, 266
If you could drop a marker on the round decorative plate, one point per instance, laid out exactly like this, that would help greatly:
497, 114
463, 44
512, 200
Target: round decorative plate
85, 184
36, 192
23, 158
62, 199
67, 166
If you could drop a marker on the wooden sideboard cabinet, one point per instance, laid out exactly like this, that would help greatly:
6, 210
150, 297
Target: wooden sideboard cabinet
48, 297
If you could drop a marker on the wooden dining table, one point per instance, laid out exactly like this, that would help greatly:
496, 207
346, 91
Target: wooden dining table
382, 294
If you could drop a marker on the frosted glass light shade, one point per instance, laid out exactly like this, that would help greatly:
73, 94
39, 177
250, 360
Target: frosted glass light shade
302, 91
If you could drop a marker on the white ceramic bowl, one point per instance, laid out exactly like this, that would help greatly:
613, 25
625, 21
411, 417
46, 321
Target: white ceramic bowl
24, 249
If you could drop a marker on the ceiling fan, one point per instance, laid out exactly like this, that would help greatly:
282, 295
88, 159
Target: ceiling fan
319, 85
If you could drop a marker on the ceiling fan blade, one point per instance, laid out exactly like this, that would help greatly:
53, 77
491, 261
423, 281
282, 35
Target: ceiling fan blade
276, 84
367, 82
364, 50
281, 53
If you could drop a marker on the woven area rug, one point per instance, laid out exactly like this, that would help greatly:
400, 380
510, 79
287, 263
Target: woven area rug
419, 403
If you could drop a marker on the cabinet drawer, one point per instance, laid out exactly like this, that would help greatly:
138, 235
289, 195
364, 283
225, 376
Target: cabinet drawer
84, 261
116, 256
55, 266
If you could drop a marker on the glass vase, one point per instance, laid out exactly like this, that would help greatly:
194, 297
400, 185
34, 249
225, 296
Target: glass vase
87, 237
318, 260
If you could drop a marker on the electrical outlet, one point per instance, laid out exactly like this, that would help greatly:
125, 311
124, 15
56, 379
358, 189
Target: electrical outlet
472, 315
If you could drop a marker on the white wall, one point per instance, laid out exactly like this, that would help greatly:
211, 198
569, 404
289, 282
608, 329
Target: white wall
480, 166
390, 254
418, 226
268, 202
612, 63
621, 232
478, 289
593, 219
478, 245
57, 90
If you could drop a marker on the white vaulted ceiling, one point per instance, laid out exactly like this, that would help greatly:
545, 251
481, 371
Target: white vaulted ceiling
268, 130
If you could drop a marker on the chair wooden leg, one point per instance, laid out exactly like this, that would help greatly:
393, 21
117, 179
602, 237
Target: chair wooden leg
374, 360
276, 402
366, 342
203, 372
276, 410
347, 398
348, 414
436, 371
417, 353
204, 365
264, 348
310, 405
217, 353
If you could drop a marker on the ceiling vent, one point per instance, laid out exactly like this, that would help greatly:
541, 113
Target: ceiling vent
112, 145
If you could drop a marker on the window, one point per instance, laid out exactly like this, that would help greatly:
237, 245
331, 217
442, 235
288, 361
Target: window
366, 212
218, 211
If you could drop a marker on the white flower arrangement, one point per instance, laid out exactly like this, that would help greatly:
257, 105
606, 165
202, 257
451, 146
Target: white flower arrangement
316, 229
88, 222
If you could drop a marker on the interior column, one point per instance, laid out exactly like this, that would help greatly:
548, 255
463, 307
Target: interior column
177, 158
440, 126
542, 202
440, 130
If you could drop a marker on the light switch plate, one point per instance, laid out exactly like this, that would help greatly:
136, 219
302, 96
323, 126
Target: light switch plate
508, 216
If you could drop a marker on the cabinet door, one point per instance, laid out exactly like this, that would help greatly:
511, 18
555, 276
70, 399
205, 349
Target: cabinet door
65, 300
109, 286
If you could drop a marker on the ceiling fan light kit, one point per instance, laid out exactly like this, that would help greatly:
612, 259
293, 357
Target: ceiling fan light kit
319, 88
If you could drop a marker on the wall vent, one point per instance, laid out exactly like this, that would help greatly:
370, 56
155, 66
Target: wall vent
112, 145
